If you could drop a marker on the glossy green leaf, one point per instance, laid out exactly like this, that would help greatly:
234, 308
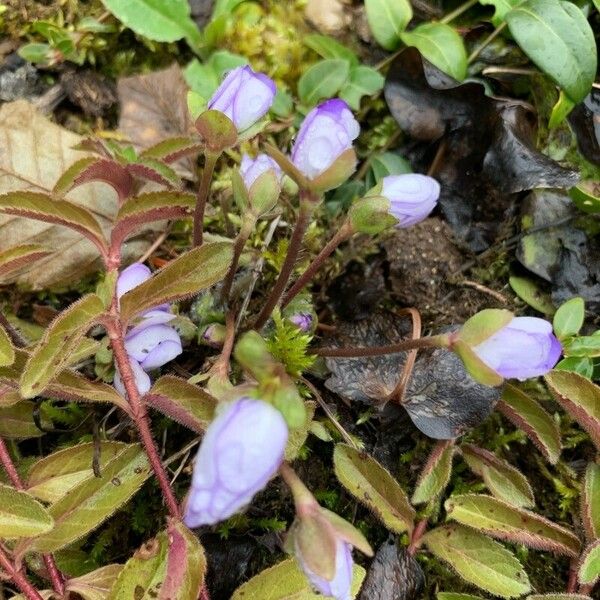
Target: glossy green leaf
53, 352
323, 80
327, 47
7, 352
363, 81
589, 565
590, 502
569, 317
373, 486
94, 585
579, 397
529, 291
502, 8
387, 20
559, 40
187, 275
441, 45
94, 500
19, 256
501, 478
21, 516
509, 523
435, 474
285, 581
586, 196
168, 567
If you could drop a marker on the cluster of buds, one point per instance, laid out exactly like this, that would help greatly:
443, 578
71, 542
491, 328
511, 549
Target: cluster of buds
151, 342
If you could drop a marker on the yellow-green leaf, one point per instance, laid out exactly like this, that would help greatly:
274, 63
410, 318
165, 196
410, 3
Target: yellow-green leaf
7, 352
21, 516
589, 567
435, 474
16, 421
17, 257
590, 502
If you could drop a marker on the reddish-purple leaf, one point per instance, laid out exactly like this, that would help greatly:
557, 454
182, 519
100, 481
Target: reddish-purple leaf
173, 149
154, 170
16, 257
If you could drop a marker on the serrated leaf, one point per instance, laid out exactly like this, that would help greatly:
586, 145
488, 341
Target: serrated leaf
95, 585
55, 475
528, 415
94, 500
21, 516
53, 352
501, 478
285, 581
183, 402
169, 567
323, 80
590, 502
7, 352
17, 257
154, 170
479, 560
387, 20
569, 317
173, 148
363, 81
373, 486
188, 274
579, 397
505, 522
589, 565
435, 474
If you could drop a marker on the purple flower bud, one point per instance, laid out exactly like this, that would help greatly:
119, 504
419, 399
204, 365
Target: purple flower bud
153, 346
142, 380
327, 132
303, 320
251, 170
524, 348
241, 450
244, 96
340, 586
412, 197
131, 277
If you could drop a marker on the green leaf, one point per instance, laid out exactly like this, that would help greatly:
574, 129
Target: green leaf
187, 275
558, 596
564, 105
373, 486
285, 581
502, 8
435, 475
527, 414
363, 81
94, 585
323, 80
505, 522
61, 339
171, 566
579, 397
590, 502
584, 345
172, 149
387, 20
479, 560
298, 435
441, 45
35, 53
586, 196
456, 596
94, 500
384, 164
578, 364
558, 39
16, 421
589, 566
21, 516
20, 256
183, 402
327, 47
225, 7
56, 475
7, 352
502, 479
156, 19
569, 317
529, 291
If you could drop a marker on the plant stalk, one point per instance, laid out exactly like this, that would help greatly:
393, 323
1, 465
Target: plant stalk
202, 196
436, 341
18, 577
418, 533
459, 10
344, 233
488, 40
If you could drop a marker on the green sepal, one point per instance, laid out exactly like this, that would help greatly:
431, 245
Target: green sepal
483, 325
476, 368
371, 215
217, 130
341, 169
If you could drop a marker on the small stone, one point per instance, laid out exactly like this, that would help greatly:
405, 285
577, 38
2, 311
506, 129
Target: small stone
328, 16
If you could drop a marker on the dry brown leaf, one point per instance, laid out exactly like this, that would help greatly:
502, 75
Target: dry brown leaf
33, 154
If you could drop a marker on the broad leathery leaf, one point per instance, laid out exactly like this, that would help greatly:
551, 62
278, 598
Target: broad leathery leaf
16, 421
95, 585
188, 274
505, 522
13, 259
53, 352
285, 581
501, 478
387, 20
94, 500
168, 567
441, 45
569, 317
589, 565
183, 402
21, 516
579, 397
502, 8
56, 475
456, 596
590, 502
481, 561
362, 81
559, 40
435, 475
527, 414
373, 486
323, 80
7, 352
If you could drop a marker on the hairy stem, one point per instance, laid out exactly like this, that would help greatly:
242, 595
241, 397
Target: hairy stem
18, 577
238, 247
436, 341
417, 534
345, 232
307, 206
202, 196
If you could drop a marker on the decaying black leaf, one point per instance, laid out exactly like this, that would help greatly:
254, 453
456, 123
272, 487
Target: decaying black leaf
585, 121
393, 575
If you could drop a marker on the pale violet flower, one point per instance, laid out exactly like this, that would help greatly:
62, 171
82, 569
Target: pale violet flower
412, 197
252, 169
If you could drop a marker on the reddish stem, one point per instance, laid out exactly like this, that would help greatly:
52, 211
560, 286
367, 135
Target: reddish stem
417, 534
397, 394
18, 577
201, 197
572, 584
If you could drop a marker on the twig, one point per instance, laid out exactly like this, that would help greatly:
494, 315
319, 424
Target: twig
397, 394
485, 290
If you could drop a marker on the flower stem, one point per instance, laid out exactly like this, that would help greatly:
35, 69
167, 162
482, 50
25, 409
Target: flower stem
436, 341
238, 247
18, 577
304, 501
202, 196
308, 202
344, 233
